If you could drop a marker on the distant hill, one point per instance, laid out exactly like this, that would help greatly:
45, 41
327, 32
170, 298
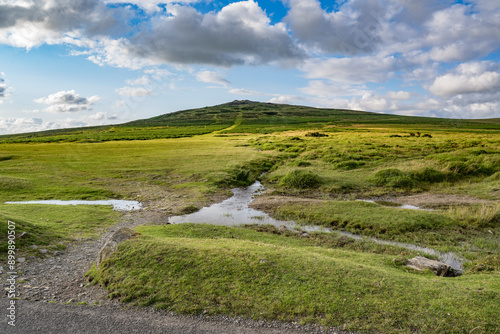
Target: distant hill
240, 116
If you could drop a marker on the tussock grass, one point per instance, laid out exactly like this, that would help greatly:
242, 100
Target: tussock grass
300, 179
476, 216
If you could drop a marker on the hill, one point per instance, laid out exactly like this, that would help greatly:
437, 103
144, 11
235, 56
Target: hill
240, 116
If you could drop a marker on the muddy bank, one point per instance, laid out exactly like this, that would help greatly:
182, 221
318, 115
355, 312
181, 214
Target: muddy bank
425, 201
430, 200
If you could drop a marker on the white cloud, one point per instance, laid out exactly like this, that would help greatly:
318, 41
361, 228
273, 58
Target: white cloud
352, 29
284, 99
352, 70
211, 77
242, 91
32, 23
400, 95
240, 33
141, 81
475, 77
370, 102
333, 89
67, 101
134, 91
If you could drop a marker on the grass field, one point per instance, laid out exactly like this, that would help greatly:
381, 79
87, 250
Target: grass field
182, 161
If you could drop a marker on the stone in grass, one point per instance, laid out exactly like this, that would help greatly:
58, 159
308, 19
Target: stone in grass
109, 247
421, 263
43, 251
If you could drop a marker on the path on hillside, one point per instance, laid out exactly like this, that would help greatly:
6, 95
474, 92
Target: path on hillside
237, 122
50, 289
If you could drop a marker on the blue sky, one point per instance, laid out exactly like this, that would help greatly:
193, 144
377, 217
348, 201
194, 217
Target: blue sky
90, 62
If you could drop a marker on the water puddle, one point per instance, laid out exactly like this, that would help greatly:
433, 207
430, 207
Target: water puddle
118, 205
235, 211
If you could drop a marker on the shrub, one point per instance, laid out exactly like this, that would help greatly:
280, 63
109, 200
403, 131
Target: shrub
394, 178
349, 164
430, 175
316, 134
300, 179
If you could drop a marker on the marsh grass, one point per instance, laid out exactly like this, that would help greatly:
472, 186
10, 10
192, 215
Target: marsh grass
476, 216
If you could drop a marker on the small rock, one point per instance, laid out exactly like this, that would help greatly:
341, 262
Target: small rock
33, 246
58, 253
421, 263
21, 259
43, 251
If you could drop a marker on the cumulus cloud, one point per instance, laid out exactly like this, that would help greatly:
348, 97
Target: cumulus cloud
211, 77
475, 77
353, 29
332, 89
352, 70
32, 23
134, 91
16, 125
240, 33
400, 95
67, 101
284, 99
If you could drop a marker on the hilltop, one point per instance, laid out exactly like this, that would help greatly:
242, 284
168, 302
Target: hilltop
239, 116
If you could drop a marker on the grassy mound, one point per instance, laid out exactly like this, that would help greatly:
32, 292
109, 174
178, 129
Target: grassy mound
300, 179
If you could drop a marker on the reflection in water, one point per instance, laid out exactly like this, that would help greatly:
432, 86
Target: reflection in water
235, 211
118, 205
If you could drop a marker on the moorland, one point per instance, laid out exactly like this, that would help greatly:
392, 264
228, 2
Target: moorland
316, 164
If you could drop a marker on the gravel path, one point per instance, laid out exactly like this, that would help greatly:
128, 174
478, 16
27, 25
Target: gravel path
50, 289
41, 318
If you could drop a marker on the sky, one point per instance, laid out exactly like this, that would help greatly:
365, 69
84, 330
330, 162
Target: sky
93, 62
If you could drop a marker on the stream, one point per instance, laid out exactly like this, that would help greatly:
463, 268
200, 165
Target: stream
235, 211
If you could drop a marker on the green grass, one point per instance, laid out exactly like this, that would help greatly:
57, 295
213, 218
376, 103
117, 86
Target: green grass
220, 270
48, 225
127, 169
